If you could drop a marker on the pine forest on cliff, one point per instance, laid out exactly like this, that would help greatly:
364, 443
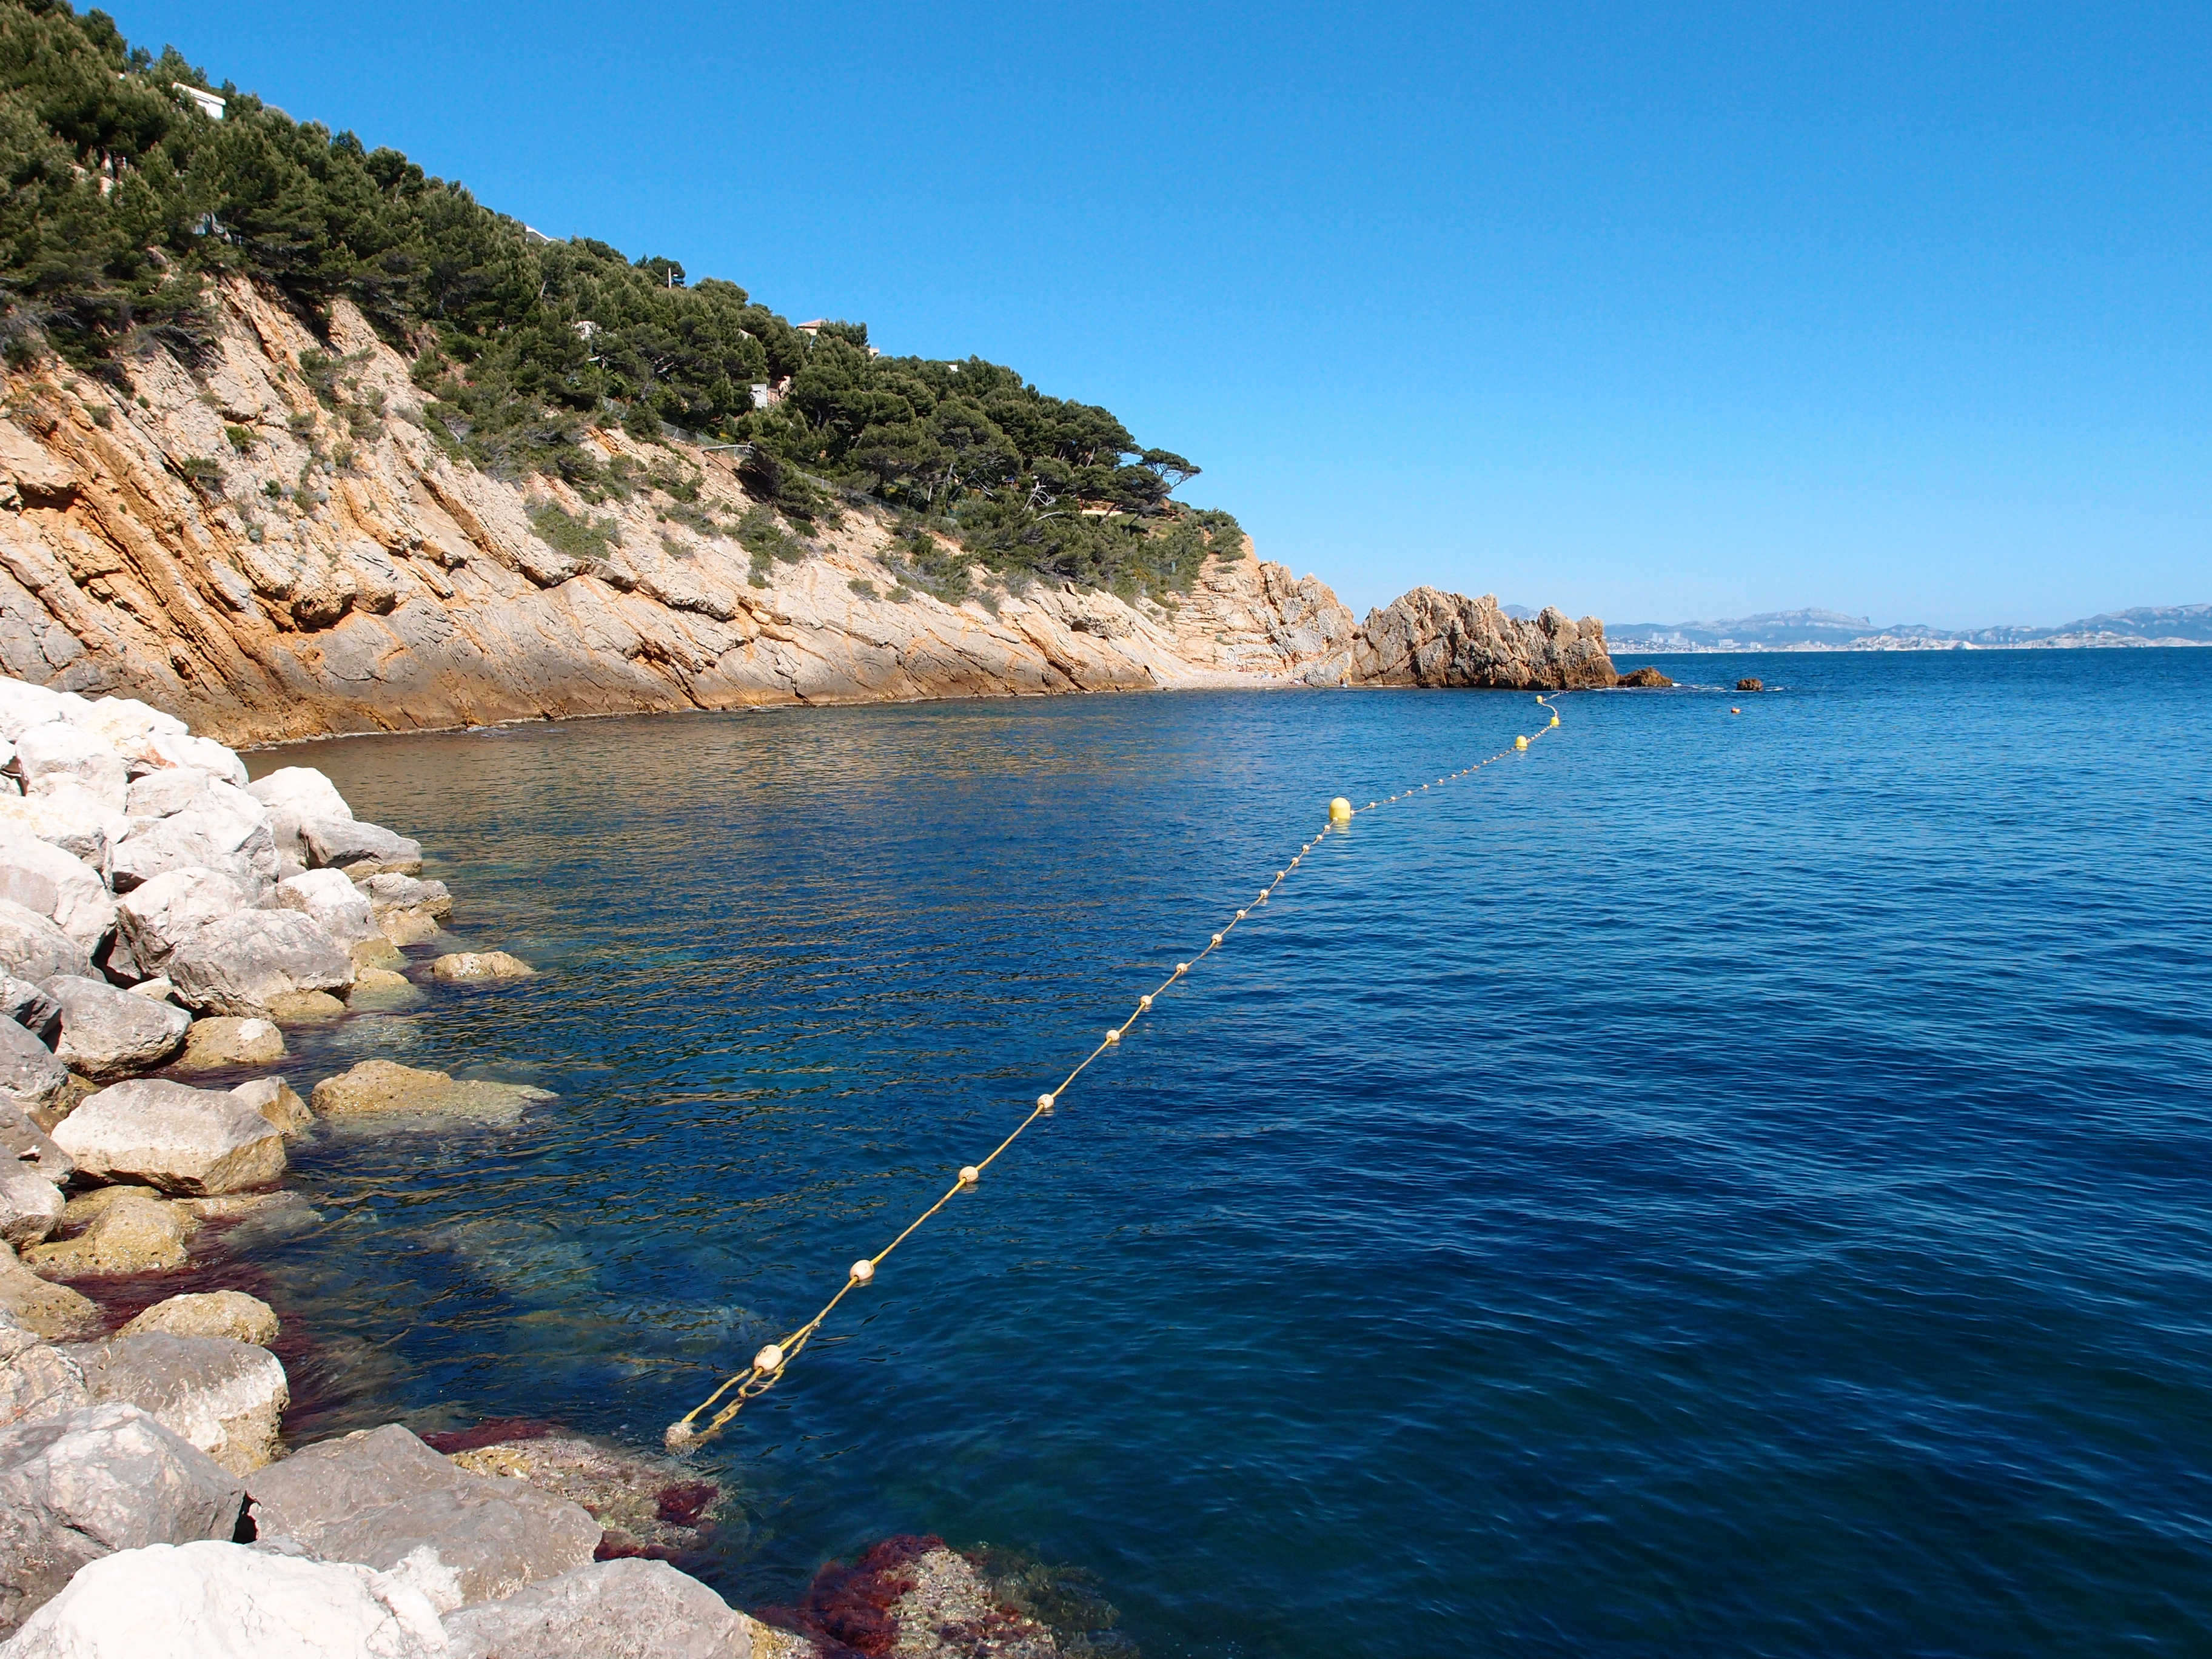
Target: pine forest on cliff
124, 197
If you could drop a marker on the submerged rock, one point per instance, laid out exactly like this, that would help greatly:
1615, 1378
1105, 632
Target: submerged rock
102, 1479
383, 1498
194, 1141
377, 1086
218, 1600
305, 1008
231, 1313
463, 965
274, 1099
226, 1397
609, 1610
644, 1503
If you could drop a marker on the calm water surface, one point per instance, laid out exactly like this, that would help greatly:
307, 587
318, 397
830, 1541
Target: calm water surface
1721, 1183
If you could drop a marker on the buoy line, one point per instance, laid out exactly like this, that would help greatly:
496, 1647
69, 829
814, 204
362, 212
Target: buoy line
769, 1365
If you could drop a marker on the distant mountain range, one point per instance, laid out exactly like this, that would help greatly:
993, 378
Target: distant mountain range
1831, 630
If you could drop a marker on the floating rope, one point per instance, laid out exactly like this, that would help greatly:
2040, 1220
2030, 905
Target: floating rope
769, 1365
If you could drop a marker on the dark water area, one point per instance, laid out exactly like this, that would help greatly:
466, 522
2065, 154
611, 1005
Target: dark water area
1730, 1183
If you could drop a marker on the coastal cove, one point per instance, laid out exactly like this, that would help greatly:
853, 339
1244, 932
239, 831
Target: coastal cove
1719, 1183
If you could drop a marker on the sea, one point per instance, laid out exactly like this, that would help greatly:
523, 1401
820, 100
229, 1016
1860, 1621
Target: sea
1734, 1178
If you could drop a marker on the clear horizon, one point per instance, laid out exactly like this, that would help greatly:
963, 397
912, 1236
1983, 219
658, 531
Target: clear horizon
1894, 314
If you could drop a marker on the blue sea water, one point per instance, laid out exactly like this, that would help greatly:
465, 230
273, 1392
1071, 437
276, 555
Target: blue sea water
1719, 1184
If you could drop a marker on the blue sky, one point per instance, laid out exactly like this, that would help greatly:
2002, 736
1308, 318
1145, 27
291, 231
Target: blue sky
1659, 313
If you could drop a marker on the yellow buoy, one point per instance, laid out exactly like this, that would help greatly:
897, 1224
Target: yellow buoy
1339, 810
1520, 743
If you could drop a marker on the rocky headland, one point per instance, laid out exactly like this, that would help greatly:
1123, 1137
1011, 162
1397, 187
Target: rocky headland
277, 549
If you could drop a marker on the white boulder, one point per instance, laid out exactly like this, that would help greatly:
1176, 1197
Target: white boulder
332, 900
30, 1206
23, 705
164, 749
48, 881
302, 791
36, 1380
103, 1477
31, 1076
108, 1033
239, 964
159, 914
59, 753
192, 1141
225, 1396
383, 1498
216, 1601
70, 816
244, 848
629, 1610
31, 947
157, 794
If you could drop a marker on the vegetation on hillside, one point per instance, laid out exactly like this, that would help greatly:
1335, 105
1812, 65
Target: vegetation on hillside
123, 198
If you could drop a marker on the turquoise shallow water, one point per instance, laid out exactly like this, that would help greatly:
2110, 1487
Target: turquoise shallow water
1730, 1184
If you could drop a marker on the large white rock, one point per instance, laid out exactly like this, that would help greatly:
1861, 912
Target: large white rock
383, 1498
164, 749
192, 1141
36, 1380
123, 723
302, 791
237, 964
630, 1609
23, 705
25, 1145
49, 882
104, 1478
108, 1033
31, 947
215, 1601
332, 900
157, 794
60, 751
244, 848
157, 915
361, 850
70, 816
225, 1396
31, 1074
30, 1206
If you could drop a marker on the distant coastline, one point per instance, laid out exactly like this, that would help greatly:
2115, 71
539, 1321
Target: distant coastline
1830, 631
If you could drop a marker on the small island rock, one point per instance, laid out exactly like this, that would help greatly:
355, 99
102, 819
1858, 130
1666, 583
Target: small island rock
1646, 676
1751, 685
463, 965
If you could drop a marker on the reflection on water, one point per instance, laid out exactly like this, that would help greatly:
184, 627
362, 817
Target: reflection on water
1712, 1184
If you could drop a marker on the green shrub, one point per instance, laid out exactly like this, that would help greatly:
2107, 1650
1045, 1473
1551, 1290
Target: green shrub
577, 538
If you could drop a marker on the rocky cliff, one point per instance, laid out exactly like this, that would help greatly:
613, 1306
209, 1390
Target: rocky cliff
272, 545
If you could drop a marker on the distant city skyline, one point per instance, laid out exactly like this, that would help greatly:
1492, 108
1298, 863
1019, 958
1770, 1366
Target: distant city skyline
1895, 311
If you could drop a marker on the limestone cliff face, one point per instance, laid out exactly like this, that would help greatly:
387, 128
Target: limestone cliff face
271, 559
1436, 639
